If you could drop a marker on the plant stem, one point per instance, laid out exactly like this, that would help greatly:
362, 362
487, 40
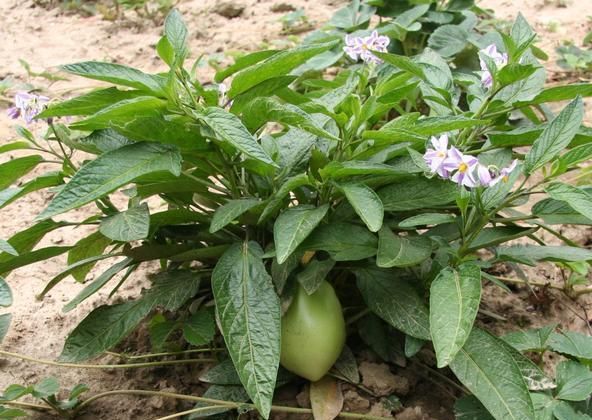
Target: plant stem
28, 406
172, 353
87, 366
204, 410
230, 404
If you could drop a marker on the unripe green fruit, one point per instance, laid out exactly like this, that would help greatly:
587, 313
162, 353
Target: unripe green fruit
313, 333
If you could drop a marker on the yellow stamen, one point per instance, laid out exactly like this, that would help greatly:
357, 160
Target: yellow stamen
463, 167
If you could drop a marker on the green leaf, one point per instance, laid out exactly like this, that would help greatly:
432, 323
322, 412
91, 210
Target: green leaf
249, 313
264, 109
342, 241
454, 301
514, 73
417, 193
230, 211
119, 75
427, 219
490, 372
224, 393
130, 225
224, 373
160, 329
556, 136
470, 408
176, 34
89, 246
243, 62
347, 366
314, 273
338, 170
110, 171
572, 344
394, 300
556, 212
564, 411
107, 325
563, 93
16, 145
4, 324
277, 199
413, 345
366, 203
10, 195
573, 157
577, 198
529, 254
11, 413
278, 64
293, 226
97, 283
199, 328
448, 40
89, 103
32, 257
401, 251
13, 169
493, 236
6, 247
403, 63
5, 293
45, 388
530, 340
229, 128
574, 381
26, 239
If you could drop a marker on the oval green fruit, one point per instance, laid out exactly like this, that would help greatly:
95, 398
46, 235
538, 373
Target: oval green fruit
313, 333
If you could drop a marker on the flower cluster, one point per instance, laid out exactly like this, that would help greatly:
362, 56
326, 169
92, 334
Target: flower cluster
361, 47
451, 163
27, 105
500, 60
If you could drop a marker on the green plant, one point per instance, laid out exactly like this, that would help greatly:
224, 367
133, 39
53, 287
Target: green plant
574, 58
390, 179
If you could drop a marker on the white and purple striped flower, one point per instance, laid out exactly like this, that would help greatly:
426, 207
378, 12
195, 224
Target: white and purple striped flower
357, 47
27, 105
463, 166
436, 157
500, 60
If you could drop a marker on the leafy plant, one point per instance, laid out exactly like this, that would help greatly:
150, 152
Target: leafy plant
574, 58
386, 181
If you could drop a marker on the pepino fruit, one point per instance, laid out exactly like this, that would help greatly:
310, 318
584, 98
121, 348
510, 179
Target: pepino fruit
313, 332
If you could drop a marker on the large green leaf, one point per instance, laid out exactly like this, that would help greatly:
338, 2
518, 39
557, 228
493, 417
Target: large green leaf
130, 225
489, 371
278, 64
199, 328
394, 300
230, 211
366, 203
572, 344
313, 275
110, 171
454, 301
89, 103
577, 198
403, 63
449, 40
51, 179
530, 254
401, 251
556, 136
5, 293
293, 226
107, 325
176, 34
4, 324
249, 313
563, 93
13, 169
530, 340
417, 193
89, 246
119, 75
557, 212
338, 170
25, 240
574, 381
343, 241
229, 128
243, 62
31, 257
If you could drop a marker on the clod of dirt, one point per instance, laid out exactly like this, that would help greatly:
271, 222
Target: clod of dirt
413, 413
303, 398
380, 410
354, 402
282, 8
229, 9
378, 378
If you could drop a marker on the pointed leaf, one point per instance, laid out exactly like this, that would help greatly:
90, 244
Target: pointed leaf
556, 136
366, 203
343, 241
530, 340
230, 211
417, 193
574, 381
454, 302
5, 293
249, 313
573, 344
314, 274
6, 247
199, 328
577, 198
176, 34
89, 246
394, 300
490, 372
401, 251
113, 170
13, 169
293, 226
130, 225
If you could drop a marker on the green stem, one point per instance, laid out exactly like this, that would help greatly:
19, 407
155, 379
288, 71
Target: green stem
212, 401
88, 366
204, 410
163, 354
28, 406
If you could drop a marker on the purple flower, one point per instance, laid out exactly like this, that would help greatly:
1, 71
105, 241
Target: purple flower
28, 105
357, 47
484, 175
504, 174
464, 166
435, 157
500, 60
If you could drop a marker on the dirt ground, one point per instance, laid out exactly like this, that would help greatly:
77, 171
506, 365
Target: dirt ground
48, 38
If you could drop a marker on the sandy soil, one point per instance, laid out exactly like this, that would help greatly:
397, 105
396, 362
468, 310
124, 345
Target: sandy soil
46, 39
